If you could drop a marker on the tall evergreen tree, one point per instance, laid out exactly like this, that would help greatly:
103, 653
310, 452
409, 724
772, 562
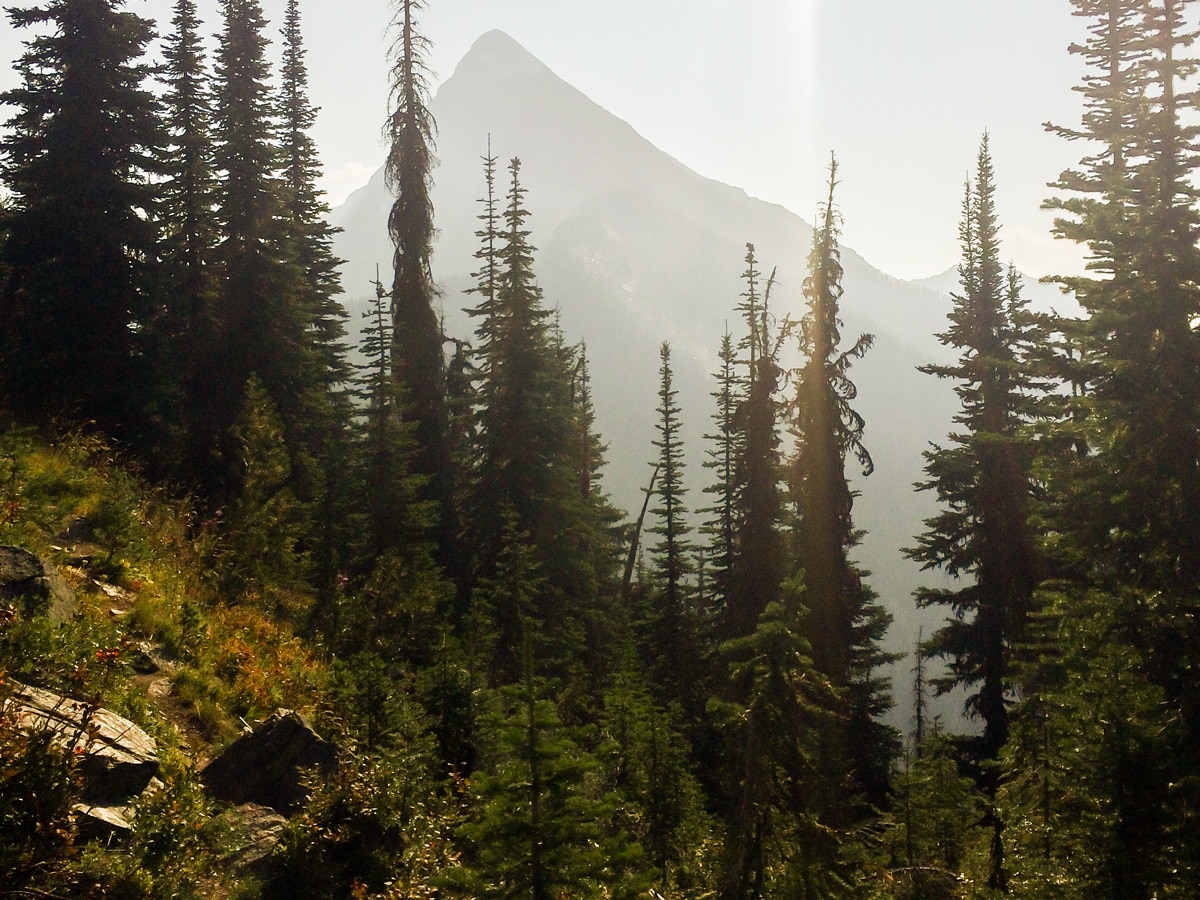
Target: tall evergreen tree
984, 483
540, 832
78, 155
827, 429
845, 625
671, 626
189, 230
525, 461
417, 357
723, 456
256, 321
304, 209
308, 241
779, 791
393, 514
759, 560
1121, 519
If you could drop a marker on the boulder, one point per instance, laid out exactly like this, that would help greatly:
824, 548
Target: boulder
26, 578
102, 823
256, 830
18, 567
117, 759
265, 765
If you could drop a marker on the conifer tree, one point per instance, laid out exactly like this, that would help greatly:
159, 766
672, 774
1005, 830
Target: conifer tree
79, 153
539, 833
723, 456
1121, 515
304, 210
417, 358
646, 763
984, 484
780, 796
1134, 207
257, 322
307, 239
827, 428
189, 229
845, 626
393, 513
759, 560
672, 624
525, 461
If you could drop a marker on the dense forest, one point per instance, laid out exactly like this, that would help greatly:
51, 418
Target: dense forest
408, 540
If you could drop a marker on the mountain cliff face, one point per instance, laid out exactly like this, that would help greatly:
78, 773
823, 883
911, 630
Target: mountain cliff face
635, 248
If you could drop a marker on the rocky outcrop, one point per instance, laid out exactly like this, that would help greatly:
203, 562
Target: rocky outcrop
28, 580
117, 760
265, 765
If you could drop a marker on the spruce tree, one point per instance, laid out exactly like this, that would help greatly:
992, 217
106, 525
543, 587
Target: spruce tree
759, 560
985, 485
80, 151
307, 238
780, 795
845, 625
394, 516
525, 459
187, 191
257, 321
539, 832
304, 210
417, 357
1124, 489
646, 762
189, 231
671, 626
723, 456
826, 429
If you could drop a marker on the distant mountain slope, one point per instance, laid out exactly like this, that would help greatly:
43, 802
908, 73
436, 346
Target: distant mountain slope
635, 248
1041, 296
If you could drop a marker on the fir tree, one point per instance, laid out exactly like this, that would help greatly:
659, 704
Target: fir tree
304, 210
984, 482
539, 832
417, 357
779, 796
672, 624
845, 625
79, 153
525, 459
189, 231
759, 559
307, 238
395, 517
826, 430
258, 321
646, 763
1124, 496
723, 456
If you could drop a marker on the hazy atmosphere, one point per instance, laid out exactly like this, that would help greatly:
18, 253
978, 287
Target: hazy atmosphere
756, 95
624, 451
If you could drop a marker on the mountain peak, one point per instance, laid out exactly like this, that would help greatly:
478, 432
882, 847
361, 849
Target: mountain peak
497, 41
497, 51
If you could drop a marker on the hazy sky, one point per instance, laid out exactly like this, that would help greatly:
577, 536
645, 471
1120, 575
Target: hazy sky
755, 93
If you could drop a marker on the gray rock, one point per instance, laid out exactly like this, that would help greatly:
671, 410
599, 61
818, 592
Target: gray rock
257, 829
18, 565
28, 580
117, 759
264, 766
102, 823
